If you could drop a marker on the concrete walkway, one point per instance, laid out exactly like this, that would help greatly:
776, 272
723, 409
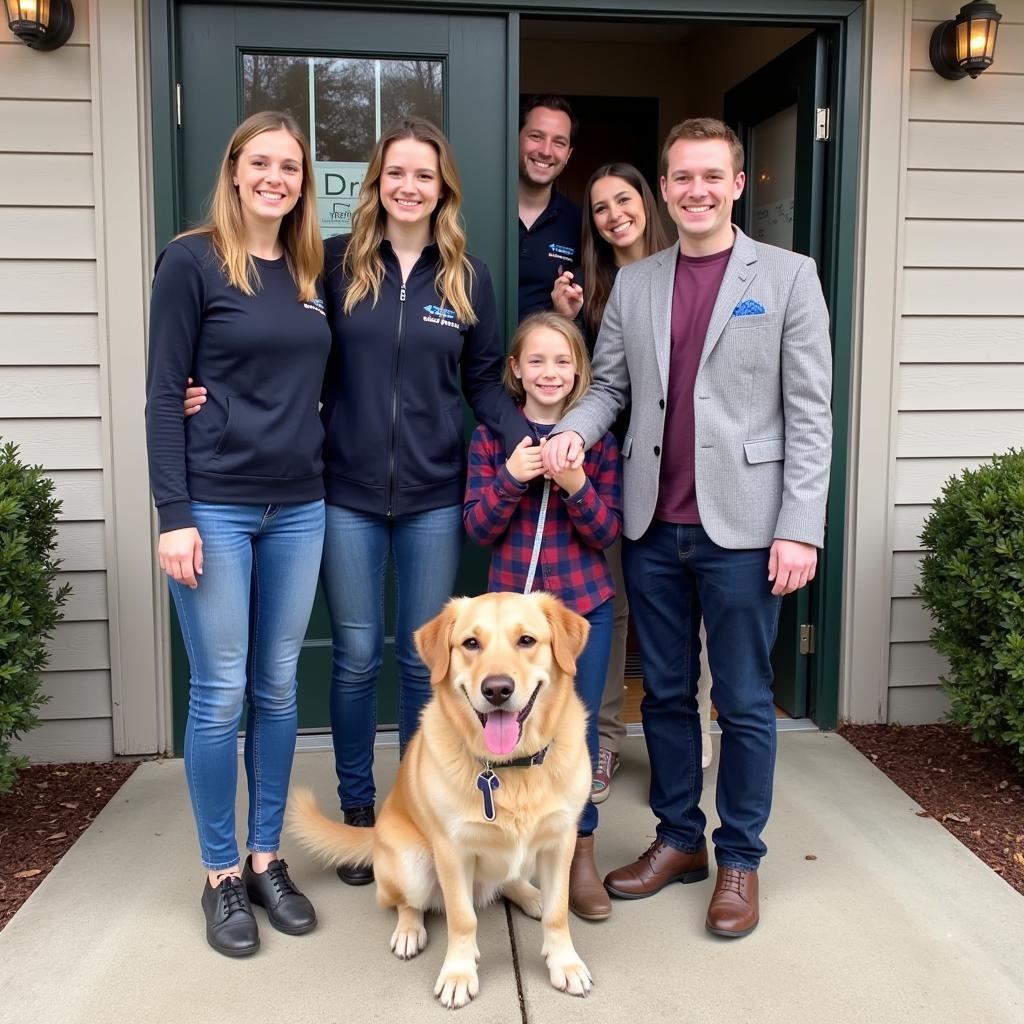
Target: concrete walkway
891, 920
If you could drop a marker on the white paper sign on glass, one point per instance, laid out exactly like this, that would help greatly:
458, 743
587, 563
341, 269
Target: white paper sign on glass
337, 191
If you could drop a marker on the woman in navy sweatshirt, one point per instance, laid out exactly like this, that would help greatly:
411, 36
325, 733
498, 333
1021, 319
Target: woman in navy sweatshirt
237, 305
414, 321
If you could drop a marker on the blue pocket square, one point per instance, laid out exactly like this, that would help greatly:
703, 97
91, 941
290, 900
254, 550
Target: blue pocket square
750, 307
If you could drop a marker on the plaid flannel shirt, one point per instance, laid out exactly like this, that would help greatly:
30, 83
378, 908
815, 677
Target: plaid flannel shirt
501, 511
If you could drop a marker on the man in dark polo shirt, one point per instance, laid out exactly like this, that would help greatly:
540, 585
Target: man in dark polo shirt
722, 344
549, 224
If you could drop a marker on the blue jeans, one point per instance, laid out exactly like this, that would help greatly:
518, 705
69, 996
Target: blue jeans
673, 574
591, 670
243, 627
426, 547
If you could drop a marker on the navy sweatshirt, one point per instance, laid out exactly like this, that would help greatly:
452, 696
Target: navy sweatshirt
392, 410
550, 245
258, 438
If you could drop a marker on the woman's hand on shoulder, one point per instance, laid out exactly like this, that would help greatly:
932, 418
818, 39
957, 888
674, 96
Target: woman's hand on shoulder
525, 462
567, 296
195, 399
181, 555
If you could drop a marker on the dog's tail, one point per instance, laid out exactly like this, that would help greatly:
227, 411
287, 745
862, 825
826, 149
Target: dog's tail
331, 841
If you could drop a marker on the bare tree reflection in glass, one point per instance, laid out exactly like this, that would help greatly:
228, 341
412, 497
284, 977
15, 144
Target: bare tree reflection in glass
275, 82
345, 105
411, 88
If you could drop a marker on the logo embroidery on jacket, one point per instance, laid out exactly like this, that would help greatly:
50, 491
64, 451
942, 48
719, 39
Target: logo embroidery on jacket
441, 315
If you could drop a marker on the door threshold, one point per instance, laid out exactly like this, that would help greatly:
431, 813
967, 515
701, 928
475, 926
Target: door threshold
321, 740
781, 725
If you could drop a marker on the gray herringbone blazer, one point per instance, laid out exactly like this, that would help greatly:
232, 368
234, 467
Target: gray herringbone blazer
761, 397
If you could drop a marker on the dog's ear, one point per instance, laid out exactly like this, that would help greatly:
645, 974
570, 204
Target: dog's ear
434, 641
569, 633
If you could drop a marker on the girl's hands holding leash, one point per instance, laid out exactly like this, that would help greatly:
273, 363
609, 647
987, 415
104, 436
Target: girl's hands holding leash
570, 479
525, 462
181, 555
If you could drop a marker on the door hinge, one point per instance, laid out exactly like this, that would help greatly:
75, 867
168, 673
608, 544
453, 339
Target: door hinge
822, 124
177, 102
806, 639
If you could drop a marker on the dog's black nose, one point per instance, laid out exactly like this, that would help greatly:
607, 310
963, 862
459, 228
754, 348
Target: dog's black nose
498, 689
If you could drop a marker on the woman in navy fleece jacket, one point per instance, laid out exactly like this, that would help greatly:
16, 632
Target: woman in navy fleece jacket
414, 322
237, 305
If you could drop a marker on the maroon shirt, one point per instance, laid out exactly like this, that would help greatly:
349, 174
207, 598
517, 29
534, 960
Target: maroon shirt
698, 279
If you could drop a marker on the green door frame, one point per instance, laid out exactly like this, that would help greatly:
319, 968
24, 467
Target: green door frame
843, 21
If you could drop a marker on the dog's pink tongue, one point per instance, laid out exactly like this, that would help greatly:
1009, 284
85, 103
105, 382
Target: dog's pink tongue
501, 733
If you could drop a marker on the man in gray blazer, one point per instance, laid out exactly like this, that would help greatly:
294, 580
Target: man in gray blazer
722, 345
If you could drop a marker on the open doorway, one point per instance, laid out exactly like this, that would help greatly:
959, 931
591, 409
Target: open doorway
629, 82
655, 73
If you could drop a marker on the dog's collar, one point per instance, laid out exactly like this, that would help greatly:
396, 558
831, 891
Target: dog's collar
518, 762
487, 782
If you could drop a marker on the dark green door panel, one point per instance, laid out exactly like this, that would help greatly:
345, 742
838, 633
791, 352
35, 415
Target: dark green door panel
211, 40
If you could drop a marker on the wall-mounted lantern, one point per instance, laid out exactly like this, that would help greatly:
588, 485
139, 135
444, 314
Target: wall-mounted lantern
966, 45
42, 24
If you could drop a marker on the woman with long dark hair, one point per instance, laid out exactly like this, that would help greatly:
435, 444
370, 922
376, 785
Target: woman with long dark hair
620, 226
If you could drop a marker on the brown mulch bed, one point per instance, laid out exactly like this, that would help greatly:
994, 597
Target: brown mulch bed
974, 791
48, 808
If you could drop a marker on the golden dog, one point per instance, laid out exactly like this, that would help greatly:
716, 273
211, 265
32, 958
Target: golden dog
489, 790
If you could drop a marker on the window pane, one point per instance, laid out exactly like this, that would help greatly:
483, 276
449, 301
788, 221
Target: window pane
411, 87
772, 181
342, 103
344, 94
274, 82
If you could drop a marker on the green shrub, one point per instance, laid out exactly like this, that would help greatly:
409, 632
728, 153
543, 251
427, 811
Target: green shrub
29, 604
972, 582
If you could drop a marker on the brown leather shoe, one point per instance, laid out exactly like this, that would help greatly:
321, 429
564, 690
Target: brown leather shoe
658, 866
732, 912
587, 898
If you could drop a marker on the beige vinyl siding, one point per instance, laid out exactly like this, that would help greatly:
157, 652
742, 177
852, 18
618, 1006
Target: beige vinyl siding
959, 386
51, 397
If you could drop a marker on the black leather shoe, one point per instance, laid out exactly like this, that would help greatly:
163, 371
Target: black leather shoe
289, 911
230, 926
360, 817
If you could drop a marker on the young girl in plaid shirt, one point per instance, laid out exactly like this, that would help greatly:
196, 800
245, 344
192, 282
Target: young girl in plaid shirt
548, 370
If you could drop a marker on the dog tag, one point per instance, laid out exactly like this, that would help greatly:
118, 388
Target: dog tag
487, 782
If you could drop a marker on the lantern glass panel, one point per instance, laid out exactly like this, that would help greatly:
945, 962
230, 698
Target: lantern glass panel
37, 11
990, 44
977, 33
963, 52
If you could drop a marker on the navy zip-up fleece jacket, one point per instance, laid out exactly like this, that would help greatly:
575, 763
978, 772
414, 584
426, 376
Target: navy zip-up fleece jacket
258, 438
391, 406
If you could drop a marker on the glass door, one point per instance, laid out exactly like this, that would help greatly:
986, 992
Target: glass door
344, 74
774, 112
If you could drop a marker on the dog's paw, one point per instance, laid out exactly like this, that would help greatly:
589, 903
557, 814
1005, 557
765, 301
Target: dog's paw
406, 942
569, 974
526, 897
457, 984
